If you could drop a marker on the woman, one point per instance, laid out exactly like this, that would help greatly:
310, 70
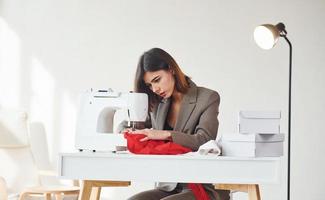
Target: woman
180, 112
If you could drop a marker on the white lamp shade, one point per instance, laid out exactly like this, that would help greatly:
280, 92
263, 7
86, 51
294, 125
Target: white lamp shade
266, 36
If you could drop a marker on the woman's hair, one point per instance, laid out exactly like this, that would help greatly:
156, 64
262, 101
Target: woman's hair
153, 60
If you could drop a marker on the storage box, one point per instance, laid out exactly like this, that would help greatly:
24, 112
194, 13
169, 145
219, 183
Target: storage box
262, 122
252, 145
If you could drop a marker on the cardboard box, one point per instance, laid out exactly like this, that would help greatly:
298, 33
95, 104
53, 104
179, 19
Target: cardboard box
262, 122
252, 145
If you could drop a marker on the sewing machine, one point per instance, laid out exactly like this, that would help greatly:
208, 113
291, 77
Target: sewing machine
95, 121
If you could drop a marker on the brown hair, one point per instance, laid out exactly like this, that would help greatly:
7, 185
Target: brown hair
153, 60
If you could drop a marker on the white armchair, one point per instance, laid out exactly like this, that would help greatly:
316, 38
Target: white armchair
17, 167
25, 169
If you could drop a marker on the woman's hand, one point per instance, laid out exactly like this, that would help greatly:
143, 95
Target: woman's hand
153, 134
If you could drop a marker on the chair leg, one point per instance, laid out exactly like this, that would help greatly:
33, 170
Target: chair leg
58, 196
48, 196
23, 195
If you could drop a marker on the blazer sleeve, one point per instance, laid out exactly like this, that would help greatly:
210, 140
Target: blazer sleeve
206, 128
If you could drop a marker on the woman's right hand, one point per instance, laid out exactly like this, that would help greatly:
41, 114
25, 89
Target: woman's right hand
129, 130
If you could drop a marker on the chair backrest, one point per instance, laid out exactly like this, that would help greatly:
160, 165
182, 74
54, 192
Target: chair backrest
16, 160
13, 129
39, 147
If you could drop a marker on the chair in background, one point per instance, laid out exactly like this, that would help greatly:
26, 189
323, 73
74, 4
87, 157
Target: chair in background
25, 167
17, 168
50, 185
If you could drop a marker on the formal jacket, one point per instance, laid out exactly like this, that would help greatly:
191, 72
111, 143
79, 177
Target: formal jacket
197, 123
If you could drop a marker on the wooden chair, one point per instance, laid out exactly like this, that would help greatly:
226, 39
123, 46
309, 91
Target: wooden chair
50, 185
90, 190
252, 189
3, 191
48, 191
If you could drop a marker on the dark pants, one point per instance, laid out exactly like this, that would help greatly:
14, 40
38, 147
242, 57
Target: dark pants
157, 194
181, 192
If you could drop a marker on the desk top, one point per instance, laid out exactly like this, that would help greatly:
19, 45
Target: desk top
169, 168
191, 155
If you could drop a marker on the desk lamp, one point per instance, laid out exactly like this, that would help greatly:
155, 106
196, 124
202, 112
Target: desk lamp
266, 36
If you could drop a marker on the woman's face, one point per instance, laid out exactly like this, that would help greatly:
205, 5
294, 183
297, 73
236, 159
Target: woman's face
161, 82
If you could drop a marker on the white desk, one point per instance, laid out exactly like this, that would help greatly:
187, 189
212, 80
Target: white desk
183, 168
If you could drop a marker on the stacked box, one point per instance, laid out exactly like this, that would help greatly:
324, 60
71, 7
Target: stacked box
259, 136
262, 122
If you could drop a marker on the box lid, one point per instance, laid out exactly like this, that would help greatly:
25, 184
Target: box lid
237, 137
260, 114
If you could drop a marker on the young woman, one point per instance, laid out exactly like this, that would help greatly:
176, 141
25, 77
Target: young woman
180, 112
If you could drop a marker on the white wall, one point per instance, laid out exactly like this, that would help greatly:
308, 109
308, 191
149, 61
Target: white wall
50, 50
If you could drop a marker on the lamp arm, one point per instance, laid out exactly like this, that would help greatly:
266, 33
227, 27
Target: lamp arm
289, 115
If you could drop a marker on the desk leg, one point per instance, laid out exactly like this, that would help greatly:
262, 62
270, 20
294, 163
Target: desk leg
254, 192
85, 190
95, 193
90, 189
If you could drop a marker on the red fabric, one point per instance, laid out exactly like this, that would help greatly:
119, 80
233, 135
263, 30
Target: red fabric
161, 147
198, 191
153, 146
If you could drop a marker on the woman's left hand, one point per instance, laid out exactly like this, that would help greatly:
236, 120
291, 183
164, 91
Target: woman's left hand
152, 134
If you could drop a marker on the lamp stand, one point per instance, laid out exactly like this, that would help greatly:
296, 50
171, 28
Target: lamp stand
289, 115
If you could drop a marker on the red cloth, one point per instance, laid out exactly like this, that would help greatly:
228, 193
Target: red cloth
153, 146
161, 147
198, 191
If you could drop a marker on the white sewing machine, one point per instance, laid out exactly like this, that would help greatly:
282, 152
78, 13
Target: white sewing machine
96, 118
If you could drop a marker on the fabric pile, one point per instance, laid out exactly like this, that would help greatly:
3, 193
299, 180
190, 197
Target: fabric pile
157, 147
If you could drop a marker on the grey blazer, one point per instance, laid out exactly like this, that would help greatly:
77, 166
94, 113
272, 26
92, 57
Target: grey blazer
197, 123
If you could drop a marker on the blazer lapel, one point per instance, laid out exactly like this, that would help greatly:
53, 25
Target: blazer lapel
187, 106
162, 114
